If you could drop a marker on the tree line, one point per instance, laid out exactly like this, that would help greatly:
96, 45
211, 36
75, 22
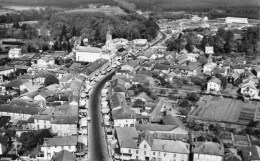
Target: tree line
223, 42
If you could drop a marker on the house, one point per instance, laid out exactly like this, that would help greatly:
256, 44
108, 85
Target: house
236, 20
123, 72
14, 53
205, 151
132, 66
124, 117
213, 84
30, 86
117, 86
64, 125
248, 88
140, 79
65, 79
64, 155
117, 100
194, 68
51, 146
173, 120
233, 77
6, 70
87, 53
46, 60
19, 112
162, 68
251, 153
239, 68
207, 68
156, 111
142, 96
169, 150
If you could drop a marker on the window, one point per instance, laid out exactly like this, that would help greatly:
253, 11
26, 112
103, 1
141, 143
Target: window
174, 155
159, 153
129, 150
144, 152
145, 146
136, 151
164, 154
153, 153
69, 146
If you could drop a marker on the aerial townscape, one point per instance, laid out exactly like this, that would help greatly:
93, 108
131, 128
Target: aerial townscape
129, 80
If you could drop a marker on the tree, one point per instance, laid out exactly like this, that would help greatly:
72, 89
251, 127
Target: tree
192, 96
73, 31
63, 31
31, 139
51, 79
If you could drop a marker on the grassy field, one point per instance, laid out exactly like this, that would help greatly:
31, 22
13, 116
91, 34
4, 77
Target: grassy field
109, 10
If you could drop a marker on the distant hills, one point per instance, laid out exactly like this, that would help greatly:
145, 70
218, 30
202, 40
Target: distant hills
144, 4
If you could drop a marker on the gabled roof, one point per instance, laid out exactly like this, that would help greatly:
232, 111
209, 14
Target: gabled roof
88, 49
65, 120
170, 146
156, 110
173, 120
66, 77
64, 155
5, 67
20, 109
161, 67
60, 141
144, 96
154, 127
127, 137
215, 80
24, 102
133, 63
123, 113
209, 148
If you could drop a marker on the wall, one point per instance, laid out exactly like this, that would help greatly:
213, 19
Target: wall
64, 129
124, 122
203, 157
87, 56
42, 124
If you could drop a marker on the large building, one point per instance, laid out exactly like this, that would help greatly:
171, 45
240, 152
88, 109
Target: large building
87, 53
236, 20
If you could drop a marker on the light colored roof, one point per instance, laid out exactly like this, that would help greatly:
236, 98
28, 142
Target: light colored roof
88, 49
156, 110
210, 148
170, 146
173, 120
32, 86
154, 127
61, 141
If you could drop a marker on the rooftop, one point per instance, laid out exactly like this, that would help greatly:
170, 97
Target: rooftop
60, 141
209, 148
170, 146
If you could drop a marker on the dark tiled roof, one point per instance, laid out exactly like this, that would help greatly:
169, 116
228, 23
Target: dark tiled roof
123, 113
20, 109
209, 148
61, 141
64, 155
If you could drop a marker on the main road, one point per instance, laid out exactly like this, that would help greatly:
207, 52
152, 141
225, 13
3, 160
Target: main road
97, 145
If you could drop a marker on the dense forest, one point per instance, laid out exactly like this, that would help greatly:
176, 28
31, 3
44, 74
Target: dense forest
95, 25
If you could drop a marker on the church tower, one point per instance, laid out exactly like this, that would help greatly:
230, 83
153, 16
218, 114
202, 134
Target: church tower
109, 41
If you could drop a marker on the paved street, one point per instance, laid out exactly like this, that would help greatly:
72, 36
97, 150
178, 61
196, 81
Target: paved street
97, 140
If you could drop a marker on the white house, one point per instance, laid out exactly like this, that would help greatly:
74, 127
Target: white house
6, 70
64, 125
213, 84
87, 53
207, 68
44, 61
124, 117
14, 53
57, 144
248, 88
208, 151
236, 20
42, 122
18, 112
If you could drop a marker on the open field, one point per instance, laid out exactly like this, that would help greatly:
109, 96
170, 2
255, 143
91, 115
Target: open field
227, 110
106, 10
167, 4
